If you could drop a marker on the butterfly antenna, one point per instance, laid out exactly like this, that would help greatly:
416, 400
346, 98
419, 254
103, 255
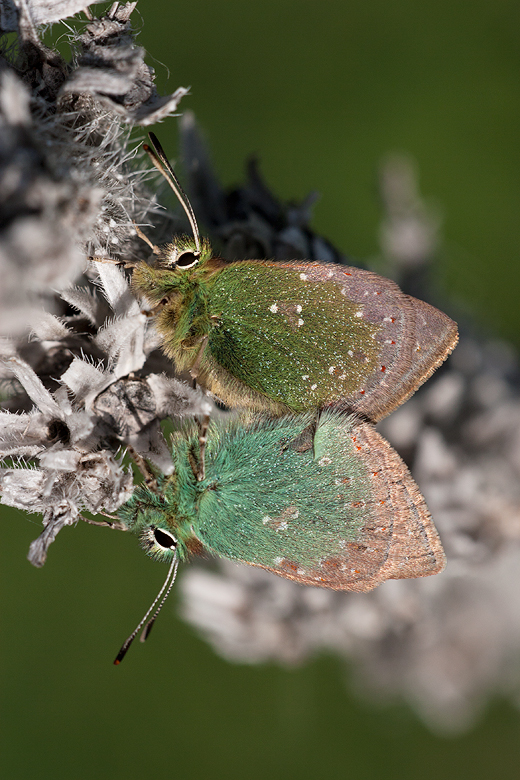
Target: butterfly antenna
148, 627
170, 579
159, 159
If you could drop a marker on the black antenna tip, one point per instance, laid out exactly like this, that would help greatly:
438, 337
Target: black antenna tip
167, 586
122, 652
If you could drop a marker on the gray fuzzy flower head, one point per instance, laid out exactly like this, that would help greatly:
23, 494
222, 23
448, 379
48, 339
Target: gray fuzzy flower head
75, 432
66, 185
76, 376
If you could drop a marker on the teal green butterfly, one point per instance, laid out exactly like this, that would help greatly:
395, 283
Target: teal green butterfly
324, 502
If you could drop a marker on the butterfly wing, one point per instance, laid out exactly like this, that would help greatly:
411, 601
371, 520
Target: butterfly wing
304, 335
331, 505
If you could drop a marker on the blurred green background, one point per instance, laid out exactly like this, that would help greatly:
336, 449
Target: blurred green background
320, 91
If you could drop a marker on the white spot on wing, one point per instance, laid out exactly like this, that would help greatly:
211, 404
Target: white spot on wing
358, 314
313, 387
325, 461
273, 308
303, 277
300, 323
305, 376
332, 369
277, 561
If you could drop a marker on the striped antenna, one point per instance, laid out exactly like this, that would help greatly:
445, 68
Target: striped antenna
159, 159
167, 586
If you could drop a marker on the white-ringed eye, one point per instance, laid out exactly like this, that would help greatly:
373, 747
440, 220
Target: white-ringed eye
164, 539
187, 259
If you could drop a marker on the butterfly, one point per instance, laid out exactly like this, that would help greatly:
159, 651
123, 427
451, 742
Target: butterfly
321, 499
283, 337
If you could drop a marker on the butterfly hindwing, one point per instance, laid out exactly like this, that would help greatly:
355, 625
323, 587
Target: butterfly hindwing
327, 503
296, 336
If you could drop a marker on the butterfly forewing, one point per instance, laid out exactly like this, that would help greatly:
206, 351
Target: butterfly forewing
333, 506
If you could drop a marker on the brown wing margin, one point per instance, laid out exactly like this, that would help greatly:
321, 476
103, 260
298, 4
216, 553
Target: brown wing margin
415, 338
403, 530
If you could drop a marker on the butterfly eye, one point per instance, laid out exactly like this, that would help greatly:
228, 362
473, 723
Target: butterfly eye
187, 259
158, 543
164, 539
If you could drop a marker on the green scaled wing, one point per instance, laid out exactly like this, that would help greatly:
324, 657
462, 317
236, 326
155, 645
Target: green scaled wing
298, 336
327, 503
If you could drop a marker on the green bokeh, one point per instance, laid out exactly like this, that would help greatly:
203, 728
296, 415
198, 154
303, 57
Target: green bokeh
320, 91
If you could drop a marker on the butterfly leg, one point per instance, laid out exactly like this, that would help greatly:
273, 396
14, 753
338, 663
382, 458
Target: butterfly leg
111, 261
155, 249
116, 525
142, 465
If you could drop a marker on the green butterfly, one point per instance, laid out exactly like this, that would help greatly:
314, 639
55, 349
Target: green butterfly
289, 337
324, 502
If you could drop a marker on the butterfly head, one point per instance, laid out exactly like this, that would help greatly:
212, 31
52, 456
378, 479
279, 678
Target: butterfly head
184, 254
156, 518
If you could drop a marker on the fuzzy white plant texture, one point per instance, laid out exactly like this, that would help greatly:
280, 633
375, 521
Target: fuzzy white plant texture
83, 378
77, 348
